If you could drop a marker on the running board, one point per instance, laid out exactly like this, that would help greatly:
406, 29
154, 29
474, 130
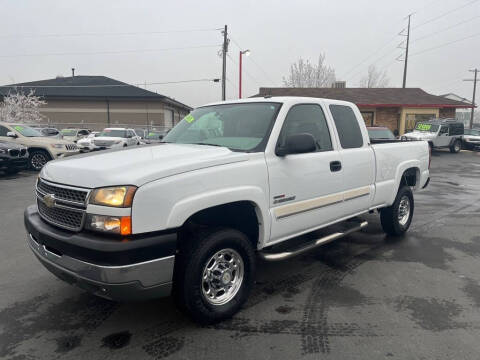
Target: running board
323, 240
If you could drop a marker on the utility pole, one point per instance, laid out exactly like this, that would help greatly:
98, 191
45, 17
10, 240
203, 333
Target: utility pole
475, 71
224, 62
406, 54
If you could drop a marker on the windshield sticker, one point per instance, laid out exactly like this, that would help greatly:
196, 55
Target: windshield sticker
189, 118
424, 127
18, 128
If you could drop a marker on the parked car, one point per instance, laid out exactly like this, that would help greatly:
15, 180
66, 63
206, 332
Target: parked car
41, 149
50, 132
233, 179
74, 134
86, 144
142, 133
13, 157
154, 136
440, 133
111, 138
471, 139
380, 133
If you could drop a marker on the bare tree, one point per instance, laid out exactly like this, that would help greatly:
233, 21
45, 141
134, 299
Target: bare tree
305, 74
18, 107
374, 78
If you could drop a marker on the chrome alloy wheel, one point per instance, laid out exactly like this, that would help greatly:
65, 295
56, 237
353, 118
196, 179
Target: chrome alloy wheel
404, 210
456, 146
222, 276
38, 161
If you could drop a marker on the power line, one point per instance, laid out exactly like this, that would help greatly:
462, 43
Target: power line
105, 34
248, 74
444, 14
445, 29
445, 44
108, 85
110, 51
254, 62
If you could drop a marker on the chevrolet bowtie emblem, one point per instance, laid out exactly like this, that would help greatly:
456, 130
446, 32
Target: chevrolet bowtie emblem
49, 200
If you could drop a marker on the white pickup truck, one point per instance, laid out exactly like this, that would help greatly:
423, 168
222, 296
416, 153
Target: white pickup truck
231, 181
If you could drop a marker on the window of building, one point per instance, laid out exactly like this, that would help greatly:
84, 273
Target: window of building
368, 117
307, 118
347, 126
412, 119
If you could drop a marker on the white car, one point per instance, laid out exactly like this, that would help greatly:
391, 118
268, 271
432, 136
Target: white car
86, 144
471, 139
111, 138
233, 180
440, 133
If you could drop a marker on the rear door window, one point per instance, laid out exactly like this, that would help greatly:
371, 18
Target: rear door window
347, 126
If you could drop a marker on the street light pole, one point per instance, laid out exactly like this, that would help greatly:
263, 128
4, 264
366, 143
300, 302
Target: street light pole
475, 80
244, 52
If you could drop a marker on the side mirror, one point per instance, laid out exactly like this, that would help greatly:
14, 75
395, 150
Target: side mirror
297, 144
12, 134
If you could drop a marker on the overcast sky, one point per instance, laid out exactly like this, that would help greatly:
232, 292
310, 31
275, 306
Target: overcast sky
44, 39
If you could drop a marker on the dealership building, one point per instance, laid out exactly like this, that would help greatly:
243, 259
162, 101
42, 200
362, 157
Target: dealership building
396, 108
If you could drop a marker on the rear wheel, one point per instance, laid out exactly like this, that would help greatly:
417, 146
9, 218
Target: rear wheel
396, 219
456, 146
214, 274
38, 159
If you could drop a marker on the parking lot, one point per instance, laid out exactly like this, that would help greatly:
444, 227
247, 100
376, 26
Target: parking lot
366, 296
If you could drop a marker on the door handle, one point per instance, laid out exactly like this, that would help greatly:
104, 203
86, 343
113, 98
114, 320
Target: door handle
335, 166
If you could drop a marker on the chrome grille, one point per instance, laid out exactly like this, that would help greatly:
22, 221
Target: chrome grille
71, 147
68, 218
61, 192
23, 152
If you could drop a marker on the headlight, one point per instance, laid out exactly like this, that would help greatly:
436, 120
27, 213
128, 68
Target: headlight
117, 196
121, 225
57, 146
118, 142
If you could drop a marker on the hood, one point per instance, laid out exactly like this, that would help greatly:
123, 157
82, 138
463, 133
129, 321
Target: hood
42, 140
10, 145
69, 138
420, 135
108, 138
136, 166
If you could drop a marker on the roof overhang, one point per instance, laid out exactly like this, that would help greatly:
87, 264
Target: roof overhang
417, 105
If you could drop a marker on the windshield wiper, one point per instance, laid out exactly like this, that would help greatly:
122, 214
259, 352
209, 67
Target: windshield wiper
201, 143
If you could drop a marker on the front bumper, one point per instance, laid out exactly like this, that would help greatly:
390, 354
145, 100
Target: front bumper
17, 163
105, 267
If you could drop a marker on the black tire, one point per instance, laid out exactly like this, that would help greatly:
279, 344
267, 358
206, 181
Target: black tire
125, 145
456, 146
37, 159
191, 263
390, 216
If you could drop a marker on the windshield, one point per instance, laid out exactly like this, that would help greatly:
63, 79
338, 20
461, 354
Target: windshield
380, 134
69, 132
27, 131
242, 127
426, 127
152, 135
472, 132
113, 133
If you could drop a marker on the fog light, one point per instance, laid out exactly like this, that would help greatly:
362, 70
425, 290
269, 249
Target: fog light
112, 224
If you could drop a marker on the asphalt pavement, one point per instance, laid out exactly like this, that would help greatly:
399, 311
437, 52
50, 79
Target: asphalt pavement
363, 297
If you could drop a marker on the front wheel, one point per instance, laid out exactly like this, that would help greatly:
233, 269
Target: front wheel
214, 275
38, 159
456, 146
396, 219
